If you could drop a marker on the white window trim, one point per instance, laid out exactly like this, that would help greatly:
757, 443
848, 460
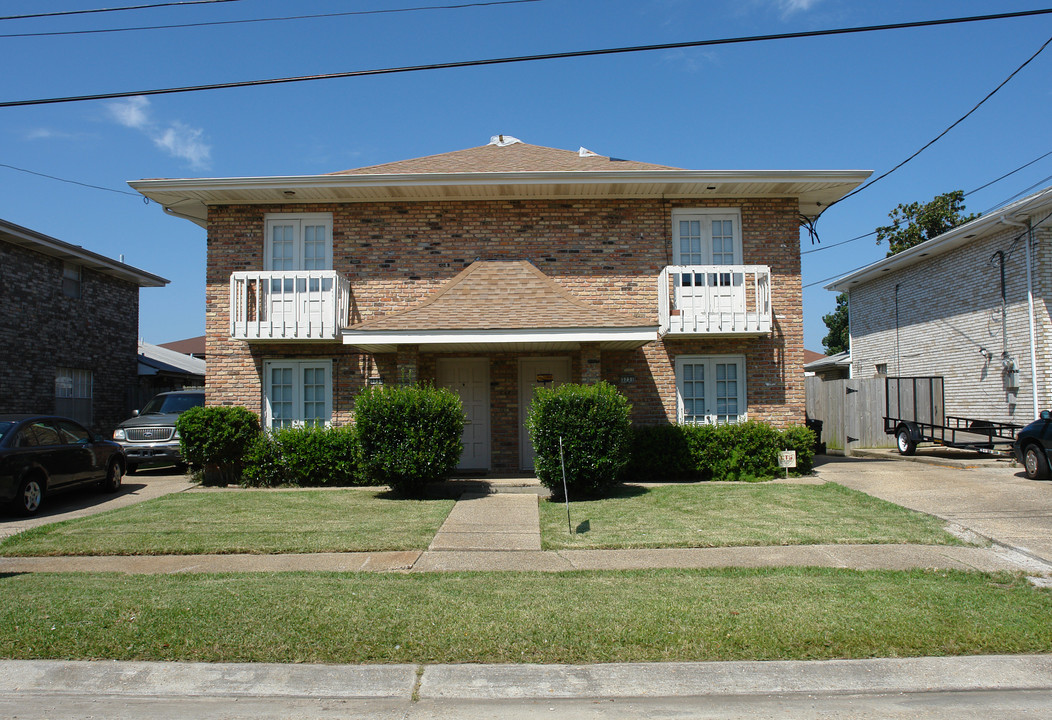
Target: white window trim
299, 219
297, 366
710, 360
708, 214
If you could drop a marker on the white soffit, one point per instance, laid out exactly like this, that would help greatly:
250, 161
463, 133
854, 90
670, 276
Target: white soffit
190, 198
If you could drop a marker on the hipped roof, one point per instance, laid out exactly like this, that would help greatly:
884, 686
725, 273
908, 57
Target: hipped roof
518, 171
501, 303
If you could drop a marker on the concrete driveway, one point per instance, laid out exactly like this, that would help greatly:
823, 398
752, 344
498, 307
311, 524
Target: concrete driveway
988, 497
144, 485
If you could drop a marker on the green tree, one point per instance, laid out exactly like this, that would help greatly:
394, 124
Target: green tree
838, 339
914, 223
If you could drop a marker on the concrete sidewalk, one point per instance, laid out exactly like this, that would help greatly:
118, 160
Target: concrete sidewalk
39, 689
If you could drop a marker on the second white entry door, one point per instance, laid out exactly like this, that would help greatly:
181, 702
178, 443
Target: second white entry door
534, 373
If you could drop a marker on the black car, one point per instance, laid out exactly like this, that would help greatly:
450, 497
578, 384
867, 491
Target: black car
1032, 444
150, 438
42, 454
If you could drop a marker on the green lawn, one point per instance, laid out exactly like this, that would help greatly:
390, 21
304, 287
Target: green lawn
272, 521
577, 617
726, 514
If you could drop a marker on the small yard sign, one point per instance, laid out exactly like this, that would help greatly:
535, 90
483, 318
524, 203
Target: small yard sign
787, 459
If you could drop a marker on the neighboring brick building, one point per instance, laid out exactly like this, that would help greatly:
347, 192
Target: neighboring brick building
69, 329
936, 309
494, 269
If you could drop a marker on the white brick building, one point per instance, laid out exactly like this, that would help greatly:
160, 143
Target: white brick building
937, 309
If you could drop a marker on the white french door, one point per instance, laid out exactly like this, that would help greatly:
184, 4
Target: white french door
296, 245
712, 239
297, 393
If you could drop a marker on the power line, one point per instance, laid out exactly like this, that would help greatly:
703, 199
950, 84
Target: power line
114, 9
1013, 172
981, 187
266, 19
71, 182
526, 58
938, 137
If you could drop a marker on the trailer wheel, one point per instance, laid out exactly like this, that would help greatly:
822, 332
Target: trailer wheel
905, 442
1035, 463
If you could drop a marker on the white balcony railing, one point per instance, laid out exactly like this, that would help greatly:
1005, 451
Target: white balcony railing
288, 305
715, 300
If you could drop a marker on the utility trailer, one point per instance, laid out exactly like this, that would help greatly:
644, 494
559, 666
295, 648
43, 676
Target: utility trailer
914, 412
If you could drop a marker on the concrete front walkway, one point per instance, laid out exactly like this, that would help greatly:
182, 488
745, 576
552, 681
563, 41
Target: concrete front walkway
500, 521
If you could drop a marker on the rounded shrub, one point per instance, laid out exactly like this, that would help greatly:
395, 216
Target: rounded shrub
409, 436
593, 422
215, 438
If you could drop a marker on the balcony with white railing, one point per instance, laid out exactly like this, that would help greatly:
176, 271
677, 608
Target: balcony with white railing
288, 305
715, 300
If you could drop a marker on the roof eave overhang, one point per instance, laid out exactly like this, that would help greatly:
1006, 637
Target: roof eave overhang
47, 245
379, 341
190, 198
955, 238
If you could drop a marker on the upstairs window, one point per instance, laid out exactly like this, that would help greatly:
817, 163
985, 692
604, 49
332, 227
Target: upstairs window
706, 237
298, 242
71, 279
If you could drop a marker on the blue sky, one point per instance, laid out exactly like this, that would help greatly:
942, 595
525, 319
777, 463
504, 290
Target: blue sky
863, 101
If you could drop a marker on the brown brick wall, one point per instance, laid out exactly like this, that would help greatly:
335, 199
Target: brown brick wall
607, 252
41, 329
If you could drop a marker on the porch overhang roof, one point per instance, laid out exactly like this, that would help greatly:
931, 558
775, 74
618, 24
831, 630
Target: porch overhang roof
521, 340
190, 198
501, 305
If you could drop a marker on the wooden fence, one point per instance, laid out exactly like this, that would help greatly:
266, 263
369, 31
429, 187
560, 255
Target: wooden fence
851, 411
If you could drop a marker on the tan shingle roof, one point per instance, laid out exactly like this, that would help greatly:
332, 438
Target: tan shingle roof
518, 157
501, 295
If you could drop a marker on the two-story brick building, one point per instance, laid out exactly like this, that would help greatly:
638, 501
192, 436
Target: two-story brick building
69, 329
495, 269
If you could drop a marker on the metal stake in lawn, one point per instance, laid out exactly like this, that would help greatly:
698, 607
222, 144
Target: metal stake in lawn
566, 493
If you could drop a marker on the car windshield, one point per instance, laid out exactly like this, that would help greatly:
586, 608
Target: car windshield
173, 404
5, 427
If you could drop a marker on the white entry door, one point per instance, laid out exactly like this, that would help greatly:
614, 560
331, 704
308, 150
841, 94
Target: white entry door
534, 373
470, 380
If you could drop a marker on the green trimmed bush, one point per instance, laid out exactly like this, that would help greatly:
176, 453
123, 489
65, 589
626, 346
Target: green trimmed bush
746, 451
593, 422
215, 438
304, 457
409, 436
804, 441
660, 453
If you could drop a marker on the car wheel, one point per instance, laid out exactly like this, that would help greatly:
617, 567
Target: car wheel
113, 477
30, 495
904, 440
1035, 463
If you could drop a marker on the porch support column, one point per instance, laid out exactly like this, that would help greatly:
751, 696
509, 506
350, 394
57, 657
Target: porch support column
591, 369
407, 364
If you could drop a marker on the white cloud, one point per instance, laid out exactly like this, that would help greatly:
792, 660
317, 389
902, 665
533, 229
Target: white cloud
175, 138
49, 134
792, 6
131, 113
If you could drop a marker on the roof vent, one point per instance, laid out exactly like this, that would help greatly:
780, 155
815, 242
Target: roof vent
585, 152
503, 140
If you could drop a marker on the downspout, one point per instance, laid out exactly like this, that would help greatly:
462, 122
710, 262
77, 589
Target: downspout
898, 368
1030, 308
